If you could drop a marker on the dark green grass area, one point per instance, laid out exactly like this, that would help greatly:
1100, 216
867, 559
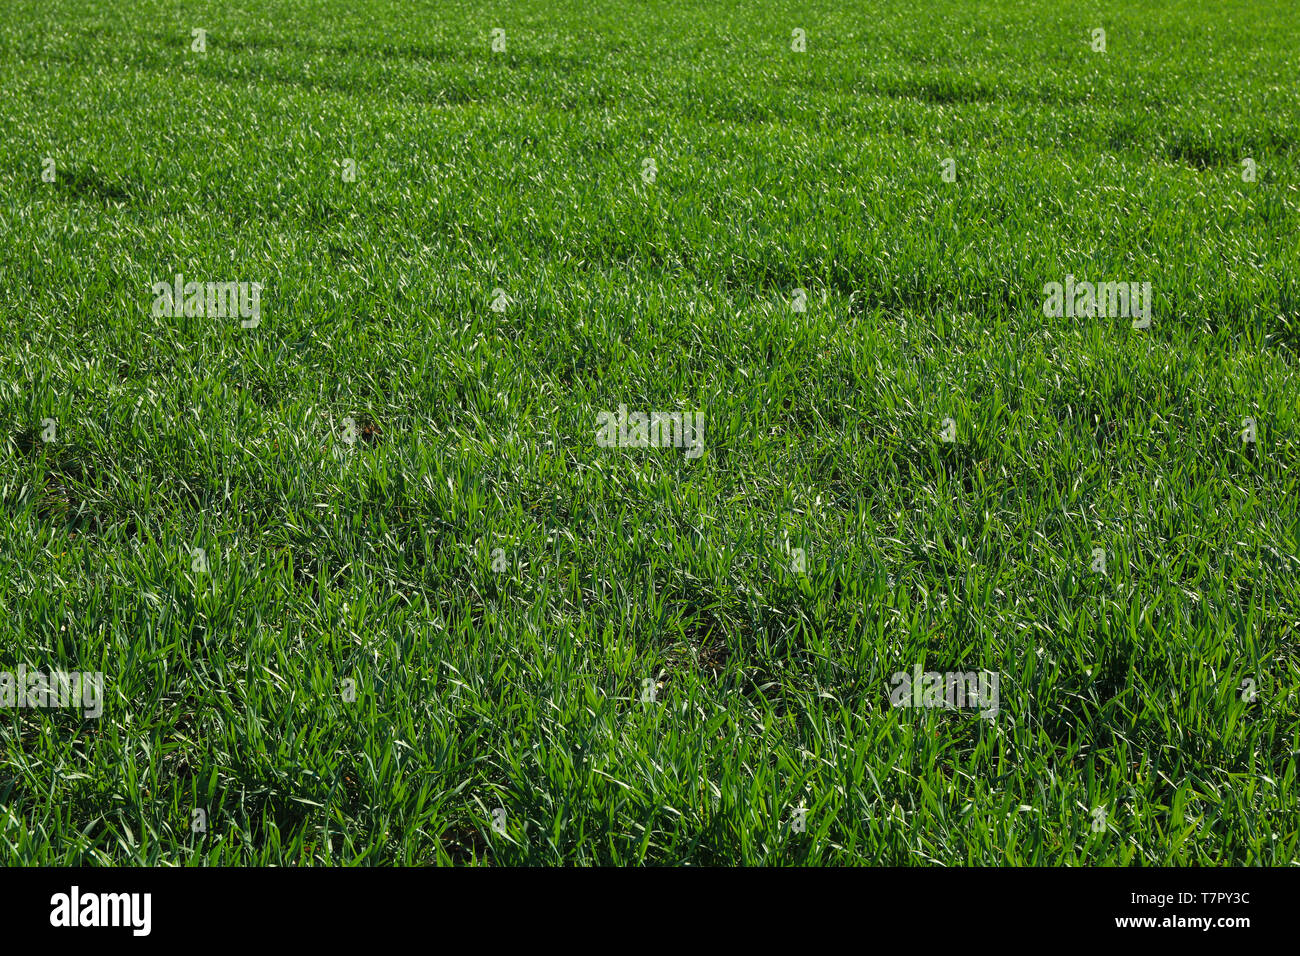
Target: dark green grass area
464, 609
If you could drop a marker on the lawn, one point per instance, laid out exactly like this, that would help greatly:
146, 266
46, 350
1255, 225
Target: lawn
358, 529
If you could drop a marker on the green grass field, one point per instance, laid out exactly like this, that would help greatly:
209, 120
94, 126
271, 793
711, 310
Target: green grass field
363, 584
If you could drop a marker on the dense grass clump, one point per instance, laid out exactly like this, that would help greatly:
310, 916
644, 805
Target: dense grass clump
364, 586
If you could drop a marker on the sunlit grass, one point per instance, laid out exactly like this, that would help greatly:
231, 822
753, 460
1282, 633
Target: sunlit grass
461, 610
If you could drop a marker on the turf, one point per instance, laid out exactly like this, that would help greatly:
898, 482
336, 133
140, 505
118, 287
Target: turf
440, 623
